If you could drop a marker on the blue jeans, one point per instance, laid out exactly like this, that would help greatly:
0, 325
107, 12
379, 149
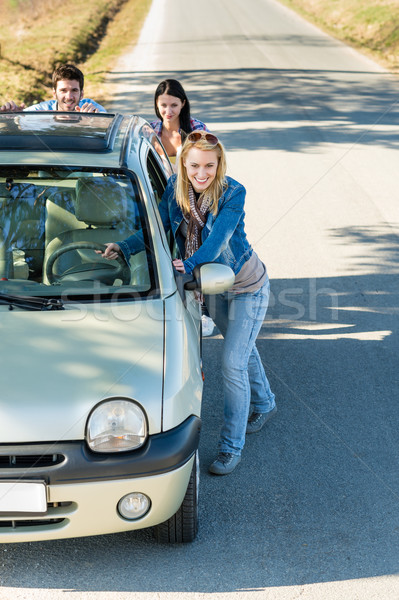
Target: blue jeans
239, 318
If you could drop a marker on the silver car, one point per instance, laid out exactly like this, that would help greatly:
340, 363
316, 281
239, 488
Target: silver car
100, 364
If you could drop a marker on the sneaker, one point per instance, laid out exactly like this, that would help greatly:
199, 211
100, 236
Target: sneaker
224, 464
207, 326
257, 420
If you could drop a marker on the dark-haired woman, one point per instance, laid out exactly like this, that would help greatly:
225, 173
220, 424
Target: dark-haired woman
174, 120
174, 123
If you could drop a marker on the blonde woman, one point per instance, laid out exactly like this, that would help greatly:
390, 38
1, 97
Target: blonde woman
204, 209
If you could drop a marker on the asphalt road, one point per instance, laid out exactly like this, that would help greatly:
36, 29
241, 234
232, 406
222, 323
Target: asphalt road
312, 512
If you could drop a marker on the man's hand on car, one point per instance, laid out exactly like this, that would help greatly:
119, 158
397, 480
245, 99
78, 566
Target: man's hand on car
86, 107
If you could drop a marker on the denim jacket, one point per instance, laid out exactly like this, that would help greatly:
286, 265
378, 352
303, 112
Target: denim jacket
223, 237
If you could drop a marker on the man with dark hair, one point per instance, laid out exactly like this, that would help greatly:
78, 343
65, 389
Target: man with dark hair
68, 84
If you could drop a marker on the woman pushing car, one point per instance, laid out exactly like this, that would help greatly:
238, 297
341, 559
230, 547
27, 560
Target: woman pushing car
204, 209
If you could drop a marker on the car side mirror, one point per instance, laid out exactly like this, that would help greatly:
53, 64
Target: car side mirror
211, 278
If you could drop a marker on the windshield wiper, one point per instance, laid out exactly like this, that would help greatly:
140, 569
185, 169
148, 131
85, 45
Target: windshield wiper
31, 302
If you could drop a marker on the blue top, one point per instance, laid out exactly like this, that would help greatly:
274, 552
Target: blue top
223, 237
52, 105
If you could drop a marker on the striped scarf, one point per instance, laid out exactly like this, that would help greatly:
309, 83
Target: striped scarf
195, 220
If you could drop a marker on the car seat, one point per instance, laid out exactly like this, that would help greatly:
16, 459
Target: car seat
101, 209
60, 213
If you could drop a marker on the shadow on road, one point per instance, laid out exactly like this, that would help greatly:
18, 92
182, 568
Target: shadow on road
290, 110
316, 496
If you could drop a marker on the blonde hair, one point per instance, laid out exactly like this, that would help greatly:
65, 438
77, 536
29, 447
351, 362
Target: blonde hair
218, 185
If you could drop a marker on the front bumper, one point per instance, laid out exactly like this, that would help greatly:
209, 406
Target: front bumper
84, 488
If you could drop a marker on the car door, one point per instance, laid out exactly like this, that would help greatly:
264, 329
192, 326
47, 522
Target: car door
158, 183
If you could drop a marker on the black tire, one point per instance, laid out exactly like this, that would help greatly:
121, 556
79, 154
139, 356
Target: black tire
182, 527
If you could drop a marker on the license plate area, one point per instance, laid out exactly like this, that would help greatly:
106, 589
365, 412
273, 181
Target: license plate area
23, 498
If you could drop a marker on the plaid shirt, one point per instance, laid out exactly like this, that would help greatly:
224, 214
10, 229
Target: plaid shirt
195, 124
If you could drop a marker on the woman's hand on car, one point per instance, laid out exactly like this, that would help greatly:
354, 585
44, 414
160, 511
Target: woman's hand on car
111, 252
178, 265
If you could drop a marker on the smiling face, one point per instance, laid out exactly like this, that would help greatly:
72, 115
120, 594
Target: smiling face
201, 167
169, 108
68, 94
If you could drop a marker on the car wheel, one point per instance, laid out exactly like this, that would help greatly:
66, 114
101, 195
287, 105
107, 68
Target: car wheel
182, 527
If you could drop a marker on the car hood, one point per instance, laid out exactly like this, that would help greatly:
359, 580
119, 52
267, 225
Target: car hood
56, 366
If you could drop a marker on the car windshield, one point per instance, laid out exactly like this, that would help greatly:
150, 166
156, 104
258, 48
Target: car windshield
52, 222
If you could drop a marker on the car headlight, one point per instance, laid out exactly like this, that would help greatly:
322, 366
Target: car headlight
116, 425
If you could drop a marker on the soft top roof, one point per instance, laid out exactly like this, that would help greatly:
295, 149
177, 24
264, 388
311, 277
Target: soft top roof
53, 130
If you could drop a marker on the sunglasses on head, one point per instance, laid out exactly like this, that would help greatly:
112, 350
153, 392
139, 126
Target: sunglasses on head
195, 136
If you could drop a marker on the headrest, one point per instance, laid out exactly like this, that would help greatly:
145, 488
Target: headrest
100, 201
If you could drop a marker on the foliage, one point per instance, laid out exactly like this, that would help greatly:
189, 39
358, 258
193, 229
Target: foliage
36, 35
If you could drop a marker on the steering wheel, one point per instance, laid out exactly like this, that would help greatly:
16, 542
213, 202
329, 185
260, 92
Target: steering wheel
93, 271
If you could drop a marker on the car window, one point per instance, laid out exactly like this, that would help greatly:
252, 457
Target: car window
156, 177
159, 151
53, 220
158, 184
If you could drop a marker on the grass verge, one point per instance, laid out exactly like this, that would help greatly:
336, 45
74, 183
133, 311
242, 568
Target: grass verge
370, 26
122, 32
36, 35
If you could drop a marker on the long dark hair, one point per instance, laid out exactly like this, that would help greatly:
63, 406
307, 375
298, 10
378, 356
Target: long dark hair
172, 87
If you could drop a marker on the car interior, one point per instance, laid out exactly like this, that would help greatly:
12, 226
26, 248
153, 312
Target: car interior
52, 222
